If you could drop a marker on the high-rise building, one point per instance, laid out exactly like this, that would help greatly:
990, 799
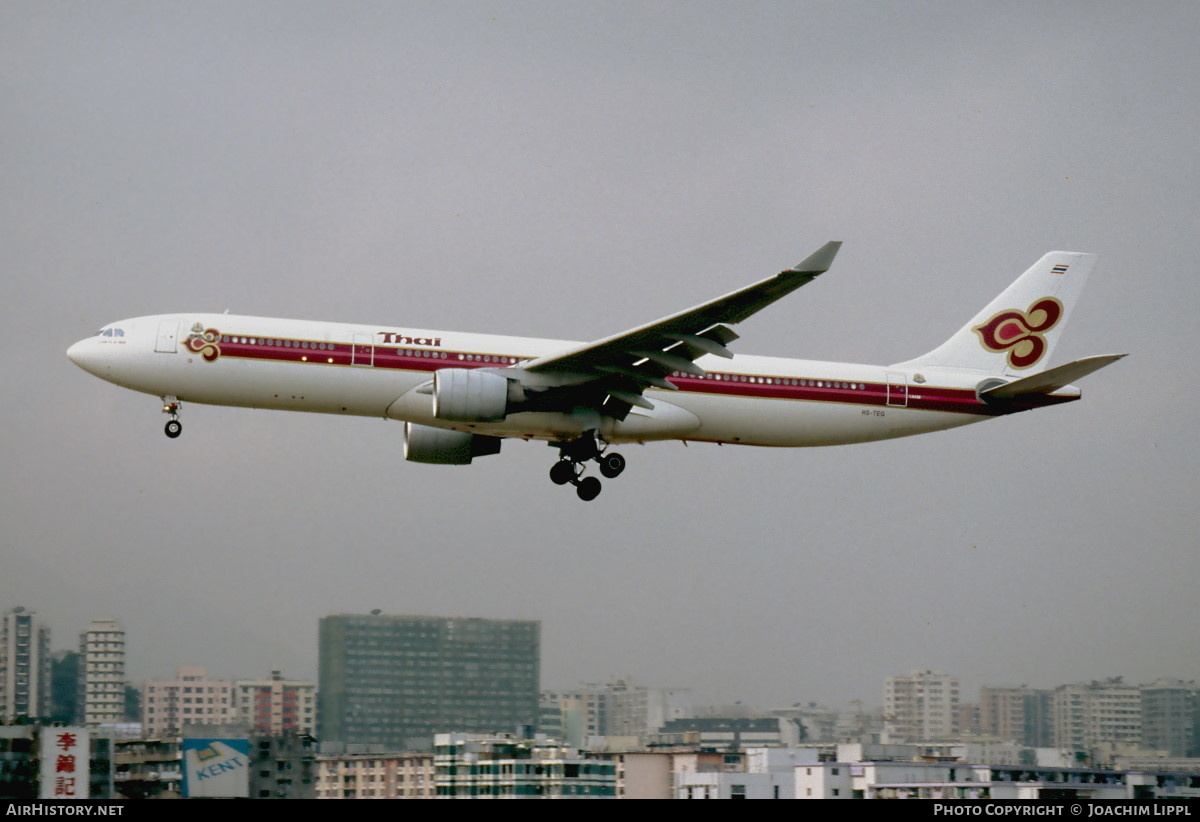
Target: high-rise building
1097, 713
396, 681
102, 673
635, 710
1169, 716
191, 698
24, 665
1021, 714
575, 715
277, 705
922, 705
617, 708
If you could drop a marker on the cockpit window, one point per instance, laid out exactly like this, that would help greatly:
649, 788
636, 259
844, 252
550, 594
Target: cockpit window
111, 332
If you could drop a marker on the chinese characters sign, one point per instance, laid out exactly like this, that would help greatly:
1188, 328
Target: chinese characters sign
64, 758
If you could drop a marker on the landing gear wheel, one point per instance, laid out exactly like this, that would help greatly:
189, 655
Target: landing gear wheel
588, 488
173, 428
562, 472
611, 465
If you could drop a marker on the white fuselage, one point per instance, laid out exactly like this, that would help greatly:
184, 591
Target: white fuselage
366, 370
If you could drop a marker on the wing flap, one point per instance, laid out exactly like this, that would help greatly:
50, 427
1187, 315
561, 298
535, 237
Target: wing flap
698, 345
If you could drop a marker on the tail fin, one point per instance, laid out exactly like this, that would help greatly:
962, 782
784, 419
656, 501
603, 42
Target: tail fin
1018, 329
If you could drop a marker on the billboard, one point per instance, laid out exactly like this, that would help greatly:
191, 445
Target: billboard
64, 763
216, 767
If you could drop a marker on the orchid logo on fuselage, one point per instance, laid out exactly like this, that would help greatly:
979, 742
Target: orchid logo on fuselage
1021, 333
204, 341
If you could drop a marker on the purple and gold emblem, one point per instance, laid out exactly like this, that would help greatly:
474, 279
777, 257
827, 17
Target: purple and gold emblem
1020, 333
204, 341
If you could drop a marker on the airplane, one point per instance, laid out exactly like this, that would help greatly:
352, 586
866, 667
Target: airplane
461, 395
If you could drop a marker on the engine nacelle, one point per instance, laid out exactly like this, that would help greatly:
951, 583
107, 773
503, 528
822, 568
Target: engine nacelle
470, 395
423, 443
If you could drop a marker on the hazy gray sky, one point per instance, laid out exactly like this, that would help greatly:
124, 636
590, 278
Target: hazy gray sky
570, 170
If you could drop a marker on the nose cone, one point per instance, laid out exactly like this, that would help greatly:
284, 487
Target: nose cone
85, 355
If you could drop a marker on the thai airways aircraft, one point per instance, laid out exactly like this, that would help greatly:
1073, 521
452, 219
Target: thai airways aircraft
461, 395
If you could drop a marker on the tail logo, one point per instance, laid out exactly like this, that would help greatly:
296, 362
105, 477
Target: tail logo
1021, 333
205, 342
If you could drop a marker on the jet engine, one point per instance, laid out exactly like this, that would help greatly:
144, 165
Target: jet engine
470, 395
423, 443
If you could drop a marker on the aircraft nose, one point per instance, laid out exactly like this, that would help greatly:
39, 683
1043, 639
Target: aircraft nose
84, 354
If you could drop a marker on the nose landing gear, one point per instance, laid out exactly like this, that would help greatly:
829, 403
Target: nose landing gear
570, 466
174, 427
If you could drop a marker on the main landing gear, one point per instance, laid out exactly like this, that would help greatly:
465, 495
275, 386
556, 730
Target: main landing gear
174, 427
570, 466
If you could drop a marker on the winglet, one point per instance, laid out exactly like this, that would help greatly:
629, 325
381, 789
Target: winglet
819, 261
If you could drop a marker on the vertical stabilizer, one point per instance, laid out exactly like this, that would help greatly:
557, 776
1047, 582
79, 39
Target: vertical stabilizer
1016, 333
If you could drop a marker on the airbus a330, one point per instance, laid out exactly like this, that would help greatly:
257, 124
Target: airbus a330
461, 395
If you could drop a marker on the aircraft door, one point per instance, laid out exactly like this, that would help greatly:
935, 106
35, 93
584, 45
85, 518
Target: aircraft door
362, 349
168, 336
897, 390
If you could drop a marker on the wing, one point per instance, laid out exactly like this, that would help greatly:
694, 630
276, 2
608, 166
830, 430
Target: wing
610, 375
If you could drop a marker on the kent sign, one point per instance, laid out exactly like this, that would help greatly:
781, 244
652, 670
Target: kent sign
216, 767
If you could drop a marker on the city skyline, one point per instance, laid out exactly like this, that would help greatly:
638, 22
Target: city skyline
562, 171
624, 681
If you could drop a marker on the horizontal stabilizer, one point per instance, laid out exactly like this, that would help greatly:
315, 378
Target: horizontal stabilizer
1047, 382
